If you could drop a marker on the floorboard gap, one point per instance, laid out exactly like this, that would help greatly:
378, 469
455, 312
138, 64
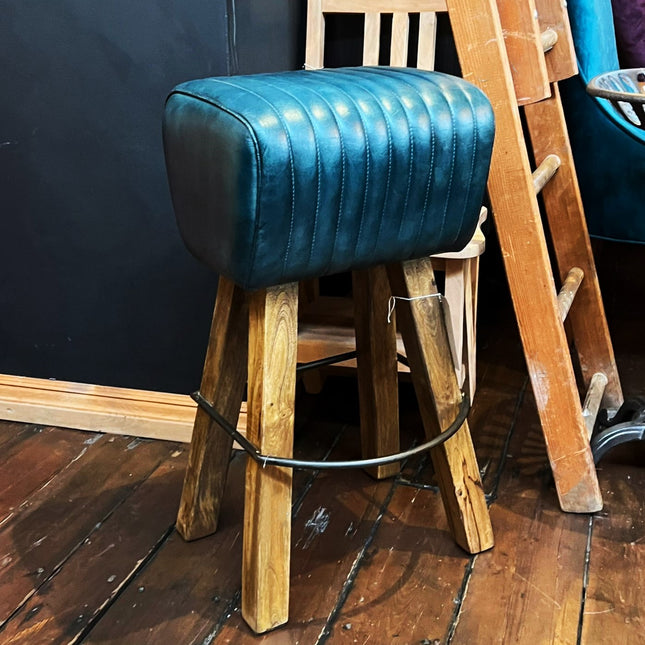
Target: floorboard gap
585, 580
297, 503
233, 606
351, 577
57, 568
492, 496
123, 586
459, 600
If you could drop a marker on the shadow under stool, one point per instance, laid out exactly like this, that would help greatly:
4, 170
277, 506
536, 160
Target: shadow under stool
280, 178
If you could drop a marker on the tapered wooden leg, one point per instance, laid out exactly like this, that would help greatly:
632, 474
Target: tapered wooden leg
470, 303
267, 512
223, 385
422, 326
377, 368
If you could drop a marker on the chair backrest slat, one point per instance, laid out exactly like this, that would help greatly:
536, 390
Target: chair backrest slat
315, 43
427, 40
372, 10
372, 38
400, 37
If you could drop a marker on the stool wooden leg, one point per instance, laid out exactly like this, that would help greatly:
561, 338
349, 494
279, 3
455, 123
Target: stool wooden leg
377, 368
423, 329
223, 385
267, 512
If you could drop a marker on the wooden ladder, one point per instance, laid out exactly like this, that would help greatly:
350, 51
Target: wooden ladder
516, 51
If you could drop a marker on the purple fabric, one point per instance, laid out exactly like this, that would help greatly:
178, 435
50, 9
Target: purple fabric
629, 21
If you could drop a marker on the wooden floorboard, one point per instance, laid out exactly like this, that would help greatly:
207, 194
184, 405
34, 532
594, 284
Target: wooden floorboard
529, 587
614, 611
88, 553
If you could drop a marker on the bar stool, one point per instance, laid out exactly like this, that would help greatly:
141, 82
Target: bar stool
279, 178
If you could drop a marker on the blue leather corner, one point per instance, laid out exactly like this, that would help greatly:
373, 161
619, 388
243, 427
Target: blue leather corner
281, 177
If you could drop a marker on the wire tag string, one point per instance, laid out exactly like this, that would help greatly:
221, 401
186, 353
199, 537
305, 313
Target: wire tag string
392, 302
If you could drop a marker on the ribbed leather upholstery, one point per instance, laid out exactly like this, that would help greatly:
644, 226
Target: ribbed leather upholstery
281, 177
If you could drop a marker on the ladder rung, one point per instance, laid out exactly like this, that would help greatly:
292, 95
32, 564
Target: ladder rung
549, 38
545, 171
568, 291
591, 405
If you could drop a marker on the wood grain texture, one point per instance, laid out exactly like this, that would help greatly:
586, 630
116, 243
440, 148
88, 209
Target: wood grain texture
565, 212
377, 368
97, 408
32, 460
614, 611
524, 49
42, 534
329, 533
62, 609
561, 59
405, 591
315, 40
400, 39
422, 326
273, 323
528, 589
222, 385
372, 38
480, 45
187, 586
380, 560
382, 6
427, 40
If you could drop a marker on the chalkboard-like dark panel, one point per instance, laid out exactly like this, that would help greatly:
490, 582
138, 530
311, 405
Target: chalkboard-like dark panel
96, 285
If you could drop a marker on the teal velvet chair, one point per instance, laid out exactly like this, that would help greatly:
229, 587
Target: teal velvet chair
609, 152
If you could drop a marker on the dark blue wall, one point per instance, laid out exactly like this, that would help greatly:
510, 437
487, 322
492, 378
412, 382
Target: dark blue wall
95, 284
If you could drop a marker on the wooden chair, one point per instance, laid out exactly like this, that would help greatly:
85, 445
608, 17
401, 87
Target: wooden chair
327, 322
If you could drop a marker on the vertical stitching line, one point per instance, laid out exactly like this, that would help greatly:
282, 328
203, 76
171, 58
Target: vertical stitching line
473, 156
452, 168
318, 166
432, 78
387, 74
368, 149
342, 184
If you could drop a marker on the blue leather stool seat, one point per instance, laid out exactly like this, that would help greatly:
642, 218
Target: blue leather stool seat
277, 178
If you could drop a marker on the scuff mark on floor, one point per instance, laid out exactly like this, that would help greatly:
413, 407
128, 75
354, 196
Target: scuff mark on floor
314, 526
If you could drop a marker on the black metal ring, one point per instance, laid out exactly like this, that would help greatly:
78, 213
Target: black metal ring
269, 460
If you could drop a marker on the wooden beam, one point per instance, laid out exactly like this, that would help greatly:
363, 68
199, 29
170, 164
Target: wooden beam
383, 6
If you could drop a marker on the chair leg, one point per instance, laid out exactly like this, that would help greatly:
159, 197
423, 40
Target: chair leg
472, 286
455, 295
222, 384
462, 277
377, 369
267, 513
423, 329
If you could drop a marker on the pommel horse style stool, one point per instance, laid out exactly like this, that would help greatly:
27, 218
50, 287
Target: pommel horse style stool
280, 178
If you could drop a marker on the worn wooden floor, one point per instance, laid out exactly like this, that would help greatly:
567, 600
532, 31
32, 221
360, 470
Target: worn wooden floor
88, 552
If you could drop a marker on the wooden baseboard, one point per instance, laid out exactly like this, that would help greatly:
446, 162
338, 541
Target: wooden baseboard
98, 408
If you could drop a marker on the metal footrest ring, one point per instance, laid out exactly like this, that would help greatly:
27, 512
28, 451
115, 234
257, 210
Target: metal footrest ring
269, 460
